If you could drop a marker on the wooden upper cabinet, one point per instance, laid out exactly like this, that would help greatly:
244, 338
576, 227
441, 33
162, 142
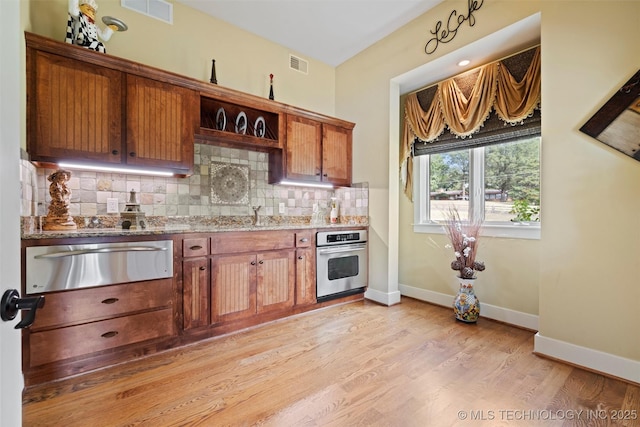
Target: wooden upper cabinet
86, 106
74, 110
161, 123
316, 150
304, 148
336, 154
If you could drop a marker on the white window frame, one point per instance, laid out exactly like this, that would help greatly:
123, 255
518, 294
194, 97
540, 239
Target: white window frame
422, 222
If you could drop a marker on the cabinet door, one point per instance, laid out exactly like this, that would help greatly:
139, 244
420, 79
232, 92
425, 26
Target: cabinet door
336, 155
195, 282
303, 148
233, 287
276, 280
75, 110
305, 276
161, 124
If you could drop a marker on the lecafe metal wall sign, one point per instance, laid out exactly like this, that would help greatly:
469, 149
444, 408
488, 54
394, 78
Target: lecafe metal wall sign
448, 33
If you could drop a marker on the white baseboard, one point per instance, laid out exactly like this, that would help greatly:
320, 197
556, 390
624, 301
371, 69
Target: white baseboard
384, 298
512, 317
595, 360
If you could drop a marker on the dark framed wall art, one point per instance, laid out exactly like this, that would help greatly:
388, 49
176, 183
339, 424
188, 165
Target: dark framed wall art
617, 123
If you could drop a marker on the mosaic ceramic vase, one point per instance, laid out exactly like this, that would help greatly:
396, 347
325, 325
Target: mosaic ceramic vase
466, 305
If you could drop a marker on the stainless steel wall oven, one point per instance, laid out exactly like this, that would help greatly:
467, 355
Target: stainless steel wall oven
341, 263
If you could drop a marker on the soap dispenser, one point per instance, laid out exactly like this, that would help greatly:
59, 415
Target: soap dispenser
333, 216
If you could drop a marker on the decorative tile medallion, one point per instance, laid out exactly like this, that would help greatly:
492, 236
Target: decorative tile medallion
229, 184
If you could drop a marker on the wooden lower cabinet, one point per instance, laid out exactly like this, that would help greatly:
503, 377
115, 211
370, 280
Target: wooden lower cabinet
195, 293
276, 280
233, 287
246, 284
305, 276
83, 329
79, 340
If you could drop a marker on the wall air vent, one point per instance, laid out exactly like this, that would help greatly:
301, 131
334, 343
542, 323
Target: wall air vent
158, 9
298, 64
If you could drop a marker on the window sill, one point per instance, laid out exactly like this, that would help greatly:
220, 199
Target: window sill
508, 231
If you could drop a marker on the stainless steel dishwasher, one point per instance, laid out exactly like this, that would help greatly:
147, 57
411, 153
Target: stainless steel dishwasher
60, 267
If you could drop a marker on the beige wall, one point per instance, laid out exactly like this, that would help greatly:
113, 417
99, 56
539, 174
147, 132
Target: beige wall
579, 277
243, 60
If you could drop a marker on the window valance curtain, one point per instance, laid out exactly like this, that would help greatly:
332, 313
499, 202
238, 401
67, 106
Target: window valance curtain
464, 110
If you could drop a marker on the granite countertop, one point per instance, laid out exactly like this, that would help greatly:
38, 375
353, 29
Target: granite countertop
31, 234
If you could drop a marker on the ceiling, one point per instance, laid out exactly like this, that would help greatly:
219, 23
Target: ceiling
330, 31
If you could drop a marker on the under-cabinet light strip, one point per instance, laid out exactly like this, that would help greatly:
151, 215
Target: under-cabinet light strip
306, 184
100, 168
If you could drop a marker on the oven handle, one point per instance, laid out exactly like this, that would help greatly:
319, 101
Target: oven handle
63, 254
342, 249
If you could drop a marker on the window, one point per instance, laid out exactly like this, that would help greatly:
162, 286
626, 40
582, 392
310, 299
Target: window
499, 183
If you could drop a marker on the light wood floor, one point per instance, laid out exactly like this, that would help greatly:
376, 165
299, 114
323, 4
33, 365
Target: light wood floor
358, 364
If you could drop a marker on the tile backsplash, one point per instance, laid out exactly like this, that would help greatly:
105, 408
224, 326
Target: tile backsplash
226, 182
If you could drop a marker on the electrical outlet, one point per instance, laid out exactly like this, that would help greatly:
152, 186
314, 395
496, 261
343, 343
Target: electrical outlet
112, 205
281, 208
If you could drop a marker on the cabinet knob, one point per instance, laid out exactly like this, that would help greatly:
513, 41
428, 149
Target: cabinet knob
132, 154
253, 263
109, 301
115, 152
324, 174
109, 334
203, 268
300, 257
261, 262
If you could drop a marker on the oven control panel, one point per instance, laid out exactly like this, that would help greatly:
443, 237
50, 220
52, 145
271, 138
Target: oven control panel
326, 238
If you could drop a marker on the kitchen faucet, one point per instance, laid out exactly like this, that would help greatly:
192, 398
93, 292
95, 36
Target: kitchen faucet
256, 218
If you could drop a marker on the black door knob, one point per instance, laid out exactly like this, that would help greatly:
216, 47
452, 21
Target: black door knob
12, 303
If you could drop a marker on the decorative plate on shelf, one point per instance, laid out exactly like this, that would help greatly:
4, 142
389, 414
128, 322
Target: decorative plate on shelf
259, 127
241, 123
229, 184
221, 119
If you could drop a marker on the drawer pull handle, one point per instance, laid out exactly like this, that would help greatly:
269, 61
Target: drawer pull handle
304, 240
203, 268
110, 300
195, 247
109, 334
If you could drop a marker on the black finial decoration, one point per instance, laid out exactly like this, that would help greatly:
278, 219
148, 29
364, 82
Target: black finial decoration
213, 80
271, 86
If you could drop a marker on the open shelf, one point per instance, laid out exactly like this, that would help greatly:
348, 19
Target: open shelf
230, 124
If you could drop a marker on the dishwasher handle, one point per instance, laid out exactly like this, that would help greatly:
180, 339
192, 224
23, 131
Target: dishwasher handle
106, 250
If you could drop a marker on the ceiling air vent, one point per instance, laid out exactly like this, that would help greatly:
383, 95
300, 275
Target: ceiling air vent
158, 9
298, 64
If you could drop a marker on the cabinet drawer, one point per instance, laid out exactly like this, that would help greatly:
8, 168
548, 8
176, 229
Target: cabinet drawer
251, 241
198, 246
84, 305
73, 341
304, 239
